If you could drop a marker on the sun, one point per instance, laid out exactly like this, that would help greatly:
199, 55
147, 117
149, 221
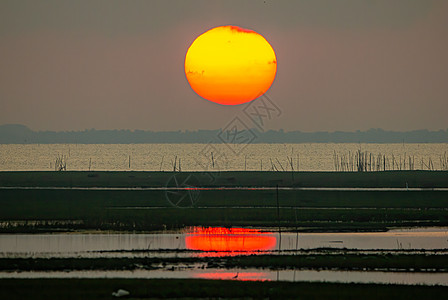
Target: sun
230, 65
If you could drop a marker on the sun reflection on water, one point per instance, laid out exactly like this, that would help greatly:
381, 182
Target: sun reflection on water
229, 241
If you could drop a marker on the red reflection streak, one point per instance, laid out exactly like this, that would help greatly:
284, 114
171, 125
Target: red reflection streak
229, 241
244, 276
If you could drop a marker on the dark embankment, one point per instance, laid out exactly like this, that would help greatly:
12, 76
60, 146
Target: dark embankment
48, 210
386, 179
193, 288
38, 209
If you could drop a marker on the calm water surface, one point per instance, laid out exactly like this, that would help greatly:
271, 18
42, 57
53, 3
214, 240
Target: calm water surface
218, 241
197, 157
213, 241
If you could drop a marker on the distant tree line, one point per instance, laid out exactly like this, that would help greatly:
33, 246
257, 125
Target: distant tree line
20, 134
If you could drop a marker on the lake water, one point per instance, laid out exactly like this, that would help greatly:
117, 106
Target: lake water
198, 157
213, 241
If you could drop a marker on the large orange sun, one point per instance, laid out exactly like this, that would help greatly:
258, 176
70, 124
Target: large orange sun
230, 65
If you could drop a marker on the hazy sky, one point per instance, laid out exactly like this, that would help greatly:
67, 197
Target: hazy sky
342, 65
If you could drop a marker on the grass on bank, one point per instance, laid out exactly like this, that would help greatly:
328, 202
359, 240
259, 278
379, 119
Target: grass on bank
387, 261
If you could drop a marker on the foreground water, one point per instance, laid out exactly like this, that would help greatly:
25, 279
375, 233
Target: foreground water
409, 278
215, 241
200, 157
218, 242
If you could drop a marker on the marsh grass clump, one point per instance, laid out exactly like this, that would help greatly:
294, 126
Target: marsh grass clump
444, 162
60, 163
364, 161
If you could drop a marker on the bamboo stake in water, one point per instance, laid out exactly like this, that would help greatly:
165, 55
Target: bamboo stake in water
297, 230
292, 168
278, 220
161, 163
280, 164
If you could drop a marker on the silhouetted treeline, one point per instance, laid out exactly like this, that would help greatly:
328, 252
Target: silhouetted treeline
20, 134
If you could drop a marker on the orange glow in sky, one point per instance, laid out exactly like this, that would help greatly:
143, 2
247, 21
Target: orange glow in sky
230, 65
228, 240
